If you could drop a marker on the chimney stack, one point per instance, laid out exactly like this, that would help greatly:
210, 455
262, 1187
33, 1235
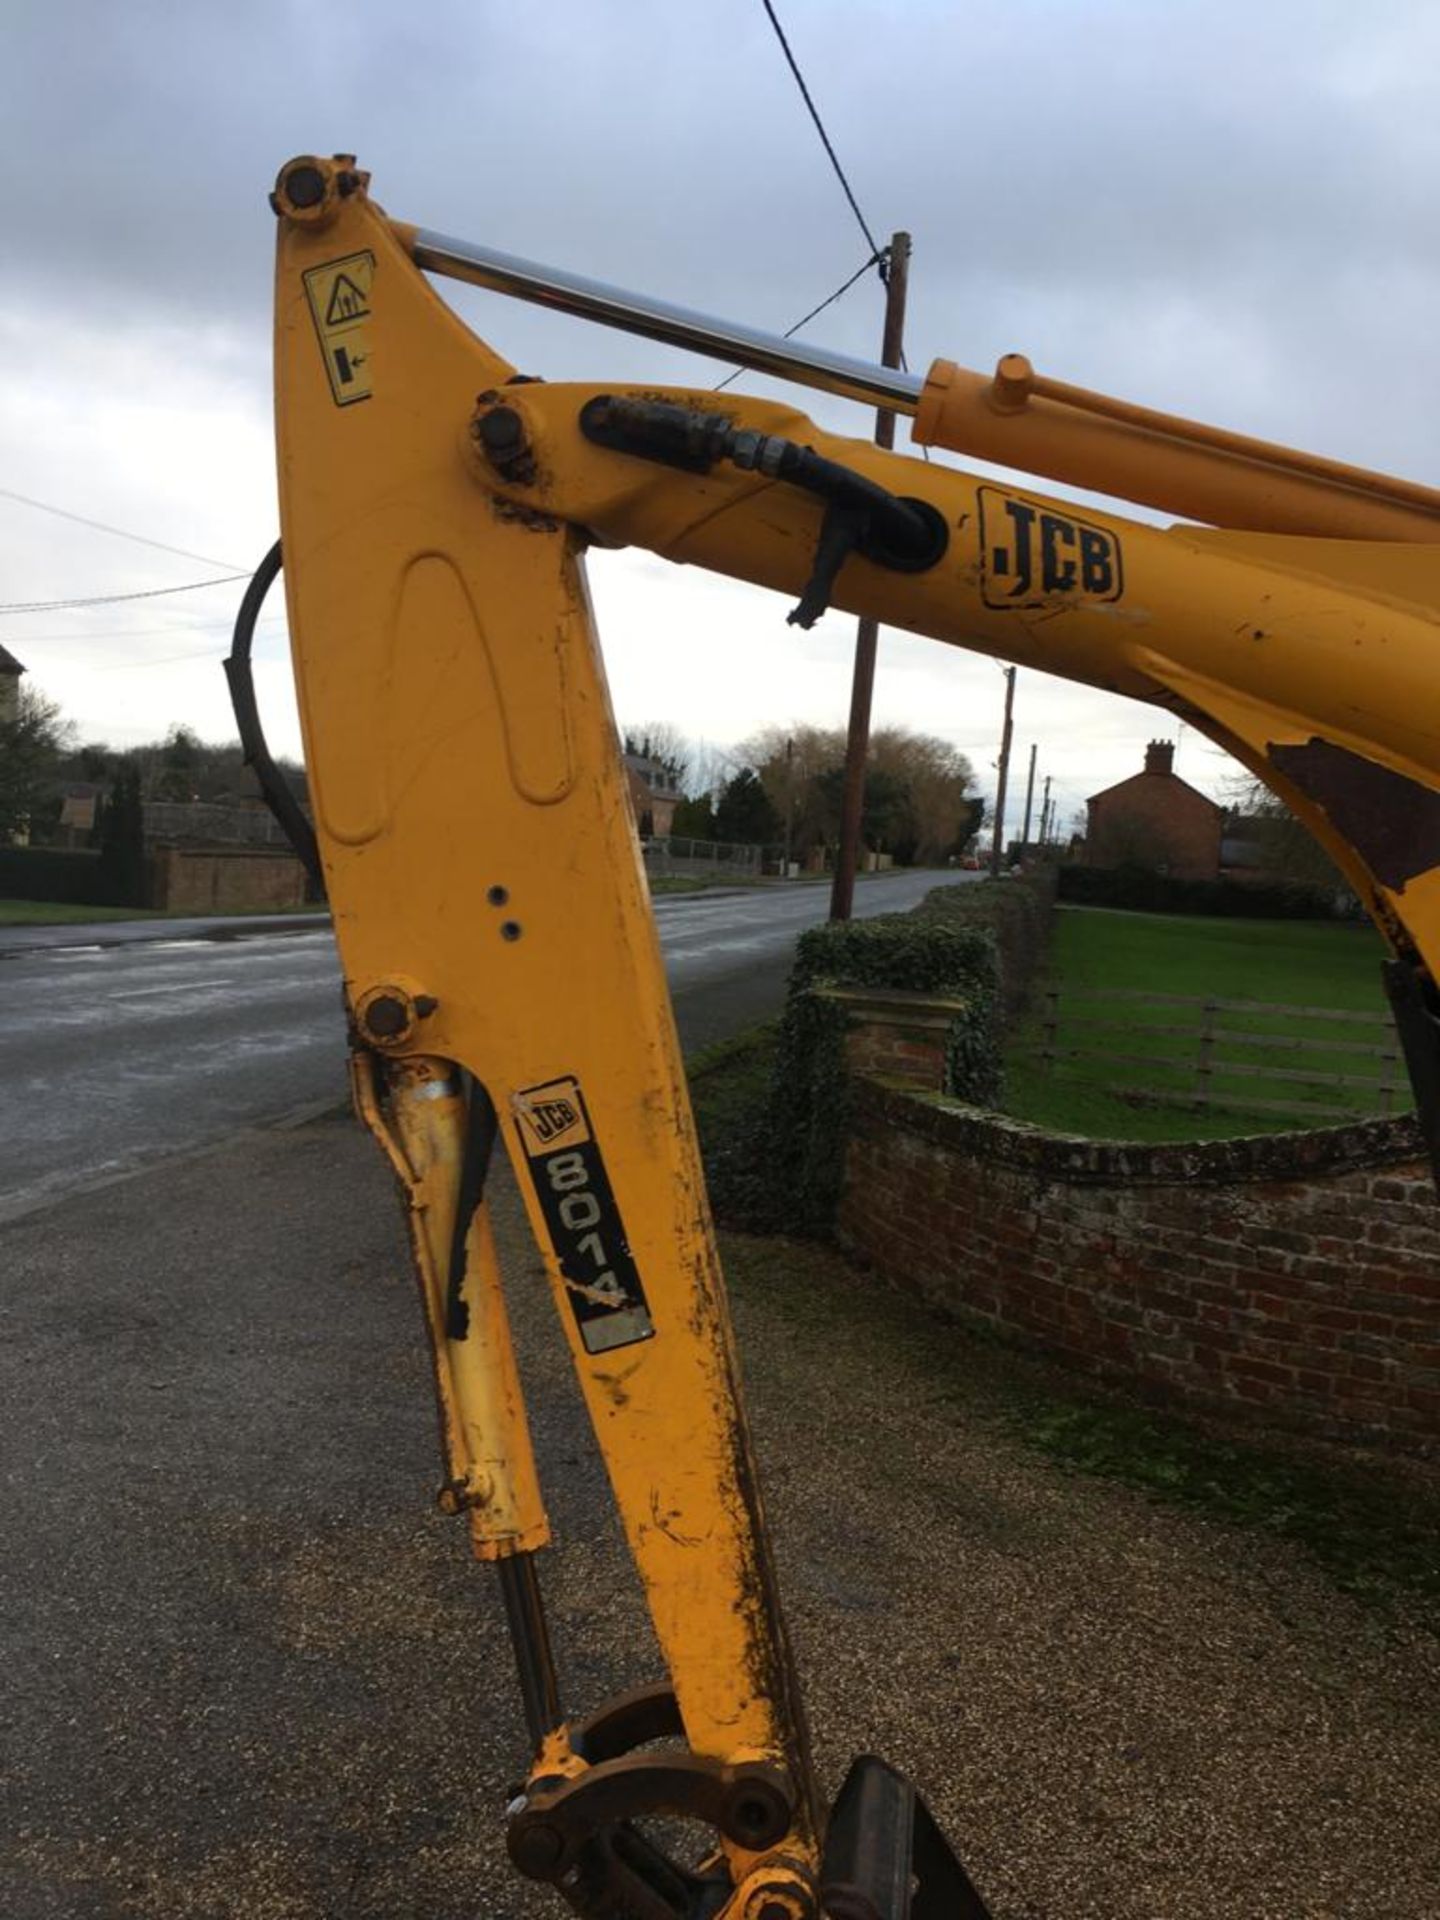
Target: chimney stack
1160, 757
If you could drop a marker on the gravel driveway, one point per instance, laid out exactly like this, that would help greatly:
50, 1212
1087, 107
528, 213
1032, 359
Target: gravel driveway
251, 1673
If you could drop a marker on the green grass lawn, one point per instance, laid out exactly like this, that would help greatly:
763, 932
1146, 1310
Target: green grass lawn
1306, 963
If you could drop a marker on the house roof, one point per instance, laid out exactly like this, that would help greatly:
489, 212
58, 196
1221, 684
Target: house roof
1173, 780
654, 776
8, 663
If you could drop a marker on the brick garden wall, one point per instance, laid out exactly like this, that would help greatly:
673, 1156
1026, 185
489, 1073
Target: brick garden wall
1296, 1277
211, 880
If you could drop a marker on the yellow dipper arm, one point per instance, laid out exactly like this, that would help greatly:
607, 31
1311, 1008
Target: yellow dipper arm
494, 929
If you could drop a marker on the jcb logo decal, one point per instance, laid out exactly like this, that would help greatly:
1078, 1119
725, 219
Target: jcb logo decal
553, 1115
1031, 556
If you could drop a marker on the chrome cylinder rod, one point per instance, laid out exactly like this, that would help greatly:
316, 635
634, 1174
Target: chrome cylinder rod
659, 320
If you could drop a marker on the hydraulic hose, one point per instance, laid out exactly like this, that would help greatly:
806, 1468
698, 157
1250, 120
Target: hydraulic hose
274, 788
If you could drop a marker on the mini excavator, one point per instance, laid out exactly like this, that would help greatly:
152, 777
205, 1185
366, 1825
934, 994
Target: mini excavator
501, 969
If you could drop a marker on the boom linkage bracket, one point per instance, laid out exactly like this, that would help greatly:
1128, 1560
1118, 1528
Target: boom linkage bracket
578, 1833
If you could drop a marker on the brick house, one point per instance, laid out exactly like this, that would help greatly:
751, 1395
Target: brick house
10, 672
653, 795
1156, 820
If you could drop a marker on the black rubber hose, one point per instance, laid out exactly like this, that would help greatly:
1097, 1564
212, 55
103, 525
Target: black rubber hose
274, 788
480, 1133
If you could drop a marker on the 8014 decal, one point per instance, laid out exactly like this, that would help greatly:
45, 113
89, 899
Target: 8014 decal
573, 1189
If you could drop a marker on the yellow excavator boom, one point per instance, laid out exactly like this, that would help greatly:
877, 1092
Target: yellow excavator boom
500, 962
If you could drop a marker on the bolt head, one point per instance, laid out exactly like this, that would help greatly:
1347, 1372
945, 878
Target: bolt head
386, 1016
501, 430
306, 191
536, 1847
756, 1812
305, 186
781, 1900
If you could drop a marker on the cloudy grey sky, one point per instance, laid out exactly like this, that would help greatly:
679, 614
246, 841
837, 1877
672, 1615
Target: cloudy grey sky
1226, 210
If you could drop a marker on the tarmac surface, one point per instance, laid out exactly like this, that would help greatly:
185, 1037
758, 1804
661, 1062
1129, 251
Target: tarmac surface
251, 1674
124, 1042
153, 930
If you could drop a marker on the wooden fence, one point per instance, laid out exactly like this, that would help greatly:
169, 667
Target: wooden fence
1201, 1039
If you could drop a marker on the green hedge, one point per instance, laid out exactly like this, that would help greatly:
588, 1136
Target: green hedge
1016, 913
809, 1110
776, 1113
49, 873
1142, 891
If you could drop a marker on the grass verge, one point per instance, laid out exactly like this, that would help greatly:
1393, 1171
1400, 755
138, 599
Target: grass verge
1372, 1525
52, 913
730, 1093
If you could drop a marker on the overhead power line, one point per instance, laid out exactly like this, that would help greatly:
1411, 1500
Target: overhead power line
100, 526
806, 318
875, 249
110, 599
167, 660
176, 628
879, 256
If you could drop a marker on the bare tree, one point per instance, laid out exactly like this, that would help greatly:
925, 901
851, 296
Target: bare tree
798, 766
32, 745
1286, 850
939, 780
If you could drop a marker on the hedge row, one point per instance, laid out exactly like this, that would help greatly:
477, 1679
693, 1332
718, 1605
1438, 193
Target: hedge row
1016, 913
775, 1159
81, 878
975, 942
1142, 891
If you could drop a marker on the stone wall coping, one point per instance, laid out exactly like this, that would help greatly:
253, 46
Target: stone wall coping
896, 1005
196, 850
1073, 1159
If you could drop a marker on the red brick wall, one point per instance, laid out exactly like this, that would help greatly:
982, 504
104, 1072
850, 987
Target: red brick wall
893, 1035
204, 880
1155, 820
1295, 1277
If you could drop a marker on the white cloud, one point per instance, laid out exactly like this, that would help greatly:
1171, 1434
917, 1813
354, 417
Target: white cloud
1217, 208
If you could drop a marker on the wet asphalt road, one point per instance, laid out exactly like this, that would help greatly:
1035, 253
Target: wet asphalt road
115, 1055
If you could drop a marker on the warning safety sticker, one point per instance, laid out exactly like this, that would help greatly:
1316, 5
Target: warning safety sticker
339, 296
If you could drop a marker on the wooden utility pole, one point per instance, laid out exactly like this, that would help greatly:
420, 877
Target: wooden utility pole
857, 745
1045, 815
789, 803
1029, 796
997, 831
